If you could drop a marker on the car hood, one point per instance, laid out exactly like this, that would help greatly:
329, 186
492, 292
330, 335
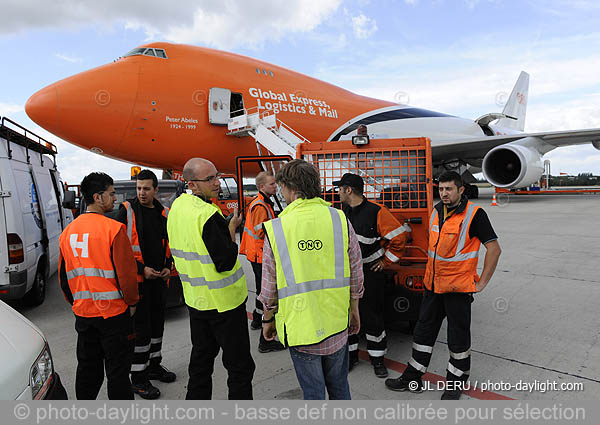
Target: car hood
21, 342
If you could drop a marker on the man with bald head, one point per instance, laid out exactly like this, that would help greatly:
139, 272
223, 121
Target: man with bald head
214, 286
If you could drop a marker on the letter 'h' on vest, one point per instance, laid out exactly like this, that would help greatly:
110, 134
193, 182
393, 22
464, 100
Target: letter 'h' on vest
310, 247
453, 255
86, 248
251, 245
204, 288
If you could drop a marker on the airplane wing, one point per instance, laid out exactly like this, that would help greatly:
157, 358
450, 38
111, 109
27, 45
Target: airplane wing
476, 148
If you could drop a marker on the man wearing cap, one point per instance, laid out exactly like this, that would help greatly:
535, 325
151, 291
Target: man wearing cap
382, 239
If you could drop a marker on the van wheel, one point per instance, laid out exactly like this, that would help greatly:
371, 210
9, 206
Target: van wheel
37, 293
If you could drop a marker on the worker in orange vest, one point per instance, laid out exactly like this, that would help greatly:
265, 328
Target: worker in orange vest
97, 275
457, 228
146, 221
253, 239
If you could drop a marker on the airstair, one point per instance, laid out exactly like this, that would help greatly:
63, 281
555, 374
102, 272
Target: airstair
268, 131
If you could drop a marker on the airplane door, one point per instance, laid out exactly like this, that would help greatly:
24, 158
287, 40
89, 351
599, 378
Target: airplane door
218, 106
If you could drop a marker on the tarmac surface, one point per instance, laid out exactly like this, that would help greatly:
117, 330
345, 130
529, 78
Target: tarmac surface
537, 322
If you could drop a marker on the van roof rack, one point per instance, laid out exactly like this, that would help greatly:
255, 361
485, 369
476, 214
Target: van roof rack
26, 138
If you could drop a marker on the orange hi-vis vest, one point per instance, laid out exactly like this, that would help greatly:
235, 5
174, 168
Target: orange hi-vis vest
86, 248
453, 255
253, 237
135, 240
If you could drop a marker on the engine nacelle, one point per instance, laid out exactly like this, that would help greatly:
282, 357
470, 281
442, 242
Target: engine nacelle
512, 166
596, 144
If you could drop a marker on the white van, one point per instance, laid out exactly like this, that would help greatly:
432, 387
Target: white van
34, 209
27, 371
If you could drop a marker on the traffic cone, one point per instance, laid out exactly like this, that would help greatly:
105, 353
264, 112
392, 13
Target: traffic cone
494, 204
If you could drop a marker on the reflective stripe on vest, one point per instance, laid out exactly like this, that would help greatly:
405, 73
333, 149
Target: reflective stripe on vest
214, 284
191, 256
130, 223
292, 287
432, 219
90, 272
87, 295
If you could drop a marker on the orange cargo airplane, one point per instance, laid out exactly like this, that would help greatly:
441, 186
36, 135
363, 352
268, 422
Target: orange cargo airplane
162, 103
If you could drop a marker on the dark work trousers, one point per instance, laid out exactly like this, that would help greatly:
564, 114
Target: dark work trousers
104, 344
257, 269
434, 307
212, 331
149, 320
371, 308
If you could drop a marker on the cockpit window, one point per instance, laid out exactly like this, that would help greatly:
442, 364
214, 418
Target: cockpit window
147, 51
136, 51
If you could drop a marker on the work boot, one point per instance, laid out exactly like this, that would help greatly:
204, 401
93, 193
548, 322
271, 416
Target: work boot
265, 346
161, 373
403, 384
451, 394
378, 367
352, 360
256, 321
146, 390
453, 389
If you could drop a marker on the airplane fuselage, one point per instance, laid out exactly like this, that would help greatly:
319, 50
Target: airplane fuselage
155, 111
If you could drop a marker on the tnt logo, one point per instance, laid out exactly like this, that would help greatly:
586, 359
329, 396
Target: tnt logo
310, 245
83, 245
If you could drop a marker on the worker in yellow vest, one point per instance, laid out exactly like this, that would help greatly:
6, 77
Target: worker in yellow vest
214, 286
313, 277
251, 245
457, 228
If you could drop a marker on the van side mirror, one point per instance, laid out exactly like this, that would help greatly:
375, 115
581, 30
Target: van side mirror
69, 200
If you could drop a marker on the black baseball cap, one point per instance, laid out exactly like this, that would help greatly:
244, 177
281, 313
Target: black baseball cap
352, 180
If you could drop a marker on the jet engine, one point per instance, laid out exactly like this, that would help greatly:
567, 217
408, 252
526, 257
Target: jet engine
512, 166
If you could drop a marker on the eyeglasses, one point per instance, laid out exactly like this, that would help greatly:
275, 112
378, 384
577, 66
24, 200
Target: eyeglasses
208, 179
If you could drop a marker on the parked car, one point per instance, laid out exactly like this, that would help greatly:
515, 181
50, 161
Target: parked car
27, 371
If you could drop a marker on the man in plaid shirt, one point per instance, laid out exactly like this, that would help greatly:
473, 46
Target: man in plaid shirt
323, 364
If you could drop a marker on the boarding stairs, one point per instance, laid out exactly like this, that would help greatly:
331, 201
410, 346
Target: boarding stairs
280, 139
268, 131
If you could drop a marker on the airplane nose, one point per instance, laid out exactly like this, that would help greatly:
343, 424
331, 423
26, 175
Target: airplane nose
90, 109
42, 108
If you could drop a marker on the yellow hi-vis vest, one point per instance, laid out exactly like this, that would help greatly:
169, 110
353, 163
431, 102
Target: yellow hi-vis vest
204, 288
310, 246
